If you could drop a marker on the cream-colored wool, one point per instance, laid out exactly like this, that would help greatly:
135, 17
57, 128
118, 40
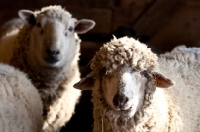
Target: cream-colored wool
20, 103
163, 110
52, 28
115, 54
183, 48
183, 66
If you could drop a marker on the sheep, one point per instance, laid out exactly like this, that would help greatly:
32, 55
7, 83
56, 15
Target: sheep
183, 48
47, 49
133, 90
20, 104
11, 27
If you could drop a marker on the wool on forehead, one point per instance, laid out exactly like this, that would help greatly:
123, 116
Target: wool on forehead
124, 51
54, 12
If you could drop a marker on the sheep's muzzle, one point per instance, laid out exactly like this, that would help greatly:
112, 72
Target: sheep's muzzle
52, 56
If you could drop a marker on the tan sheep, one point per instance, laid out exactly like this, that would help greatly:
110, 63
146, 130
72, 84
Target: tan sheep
11, 27
47, 49
20, 103
131, 95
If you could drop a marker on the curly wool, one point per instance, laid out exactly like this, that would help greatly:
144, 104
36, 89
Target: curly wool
124, 52
54, 12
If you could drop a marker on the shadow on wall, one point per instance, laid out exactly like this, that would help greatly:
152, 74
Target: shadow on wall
121, 31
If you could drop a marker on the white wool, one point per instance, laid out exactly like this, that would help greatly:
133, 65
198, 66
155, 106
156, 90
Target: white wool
183, 66
185, 49
20, 103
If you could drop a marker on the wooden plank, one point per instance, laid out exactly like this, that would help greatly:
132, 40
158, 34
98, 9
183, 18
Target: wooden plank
153, 19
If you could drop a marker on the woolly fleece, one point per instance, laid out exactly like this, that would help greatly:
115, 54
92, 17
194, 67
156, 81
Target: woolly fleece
20, 103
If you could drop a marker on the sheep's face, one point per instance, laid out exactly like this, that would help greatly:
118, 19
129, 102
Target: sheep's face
53, 40
124, 90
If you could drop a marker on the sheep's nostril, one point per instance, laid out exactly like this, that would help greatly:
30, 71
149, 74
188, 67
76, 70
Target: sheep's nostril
125, 100
52, 53
57, 52
116, 100
120, 100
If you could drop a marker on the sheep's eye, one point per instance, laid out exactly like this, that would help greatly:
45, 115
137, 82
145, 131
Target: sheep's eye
70, 29
65, 33
38, 25
132, 71
144, 72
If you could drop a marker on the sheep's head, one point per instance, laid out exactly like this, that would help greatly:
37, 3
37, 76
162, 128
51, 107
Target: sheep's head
53, 40
125, 86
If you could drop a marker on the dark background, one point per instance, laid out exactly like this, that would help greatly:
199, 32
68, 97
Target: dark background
162, 24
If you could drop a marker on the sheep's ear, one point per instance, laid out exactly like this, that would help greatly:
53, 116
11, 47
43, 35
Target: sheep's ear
84, 25
27, 16
86, 83
162, 81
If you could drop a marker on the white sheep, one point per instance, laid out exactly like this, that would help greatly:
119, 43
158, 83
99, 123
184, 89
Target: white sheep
47, 49
183, 48
124, 77
20, 104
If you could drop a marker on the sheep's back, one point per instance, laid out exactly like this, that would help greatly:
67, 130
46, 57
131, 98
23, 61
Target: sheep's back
11, 27
184, 68
20, 103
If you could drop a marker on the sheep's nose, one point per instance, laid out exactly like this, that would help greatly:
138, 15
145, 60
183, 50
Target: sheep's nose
120, 101
52, 56
52, 53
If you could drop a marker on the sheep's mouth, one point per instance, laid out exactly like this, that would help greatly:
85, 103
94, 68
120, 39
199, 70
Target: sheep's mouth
125, 110
128, 112
51, 60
